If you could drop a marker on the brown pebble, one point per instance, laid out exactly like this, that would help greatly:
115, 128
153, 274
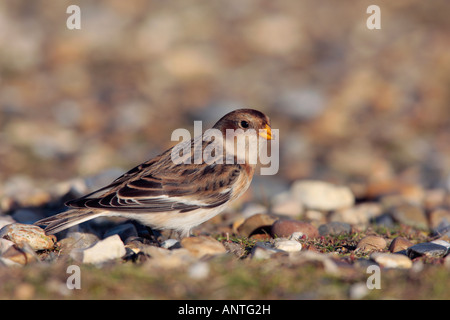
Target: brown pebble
399, 244
284, 228
32, 235
411, 215
371, 243
21, 255
258, 223
202, 246
438, 217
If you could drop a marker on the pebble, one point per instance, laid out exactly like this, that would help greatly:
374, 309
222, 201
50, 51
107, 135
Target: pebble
32, 235
399, 244
236, 224
263, 250
392, 200
325, 260
371, 243
103, 251
250, 209
290, 208
8, 263
410, 215
441, 243
319, 195
359, 215
5, 245
125, 231
315, 216
287, 245
203, 245
103, 178
334, 228
21, 255
391, 260
170, 244
25, 216
428, 249
285, 205
439, 219
258, 223
5, 220
167, 259
77, 240
384, 220
443, 232
285, 228
21, 189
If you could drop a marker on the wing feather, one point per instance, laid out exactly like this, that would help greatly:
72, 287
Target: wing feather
160, 185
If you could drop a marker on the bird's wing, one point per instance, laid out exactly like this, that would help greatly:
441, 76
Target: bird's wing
159, 185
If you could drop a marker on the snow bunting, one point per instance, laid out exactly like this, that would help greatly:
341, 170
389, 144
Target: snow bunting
163, 194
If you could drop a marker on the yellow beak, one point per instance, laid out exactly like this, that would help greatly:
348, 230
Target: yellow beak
266, 133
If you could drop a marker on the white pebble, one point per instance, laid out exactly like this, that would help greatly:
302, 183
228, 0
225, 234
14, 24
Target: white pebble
321, 195
392, 260
107, 249
288, 245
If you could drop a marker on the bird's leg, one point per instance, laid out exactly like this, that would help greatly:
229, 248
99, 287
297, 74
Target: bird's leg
153, 236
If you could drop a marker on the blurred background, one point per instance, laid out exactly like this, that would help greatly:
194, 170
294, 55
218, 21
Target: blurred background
367, 108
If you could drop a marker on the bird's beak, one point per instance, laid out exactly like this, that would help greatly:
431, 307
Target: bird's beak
266, 133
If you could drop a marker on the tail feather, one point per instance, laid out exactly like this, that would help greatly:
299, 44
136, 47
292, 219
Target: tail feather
67, 219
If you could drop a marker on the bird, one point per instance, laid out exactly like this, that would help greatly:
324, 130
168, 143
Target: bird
161, 193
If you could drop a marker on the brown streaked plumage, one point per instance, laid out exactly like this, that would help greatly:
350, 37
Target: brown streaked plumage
162, 194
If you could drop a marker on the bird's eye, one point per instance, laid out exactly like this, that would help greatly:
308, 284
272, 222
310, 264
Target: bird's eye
244, 124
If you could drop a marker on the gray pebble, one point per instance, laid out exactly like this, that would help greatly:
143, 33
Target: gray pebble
428, 249
384, 220
334, 228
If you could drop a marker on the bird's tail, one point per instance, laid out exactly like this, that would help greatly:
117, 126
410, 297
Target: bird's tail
67, 219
